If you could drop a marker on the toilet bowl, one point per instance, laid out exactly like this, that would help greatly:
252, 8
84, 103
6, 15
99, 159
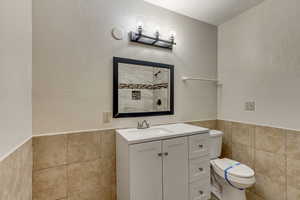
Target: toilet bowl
229, 178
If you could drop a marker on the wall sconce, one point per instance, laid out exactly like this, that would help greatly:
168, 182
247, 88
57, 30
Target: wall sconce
139, 37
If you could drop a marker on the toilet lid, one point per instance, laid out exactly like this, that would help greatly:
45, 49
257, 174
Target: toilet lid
241, 170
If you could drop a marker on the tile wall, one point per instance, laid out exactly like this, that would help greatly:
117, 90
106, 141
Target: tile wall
16, 174
78, 166
273, 153
82, 165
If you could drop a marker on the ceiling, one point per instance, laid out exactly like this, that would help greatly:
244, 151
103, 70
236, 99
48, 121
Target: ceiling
211, 11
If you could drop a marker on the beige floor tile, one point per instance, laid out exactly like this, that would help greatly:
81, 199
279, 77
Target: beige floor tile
270, 139
292, 144
83, 147
84, 177
271, 165
50, 184
49, 151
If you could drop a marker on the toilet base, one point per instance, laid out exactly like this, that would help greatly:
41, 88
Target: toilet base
229, 193
223, 191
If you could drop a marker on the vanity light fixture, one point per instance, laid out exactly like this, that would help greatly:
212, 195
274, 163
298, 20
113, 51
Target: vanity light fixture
139, 37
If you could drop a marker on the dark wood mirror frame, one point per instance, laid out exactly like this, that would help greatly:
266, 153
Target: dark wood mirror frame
116, 61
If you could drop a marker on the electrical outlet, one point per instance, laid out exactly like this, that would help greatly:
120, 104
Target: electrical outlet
250, 106
106, 117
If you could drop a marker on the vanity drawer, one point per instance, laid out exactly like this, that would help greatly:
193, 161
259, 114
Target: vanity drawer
198, 145
199, 169
200, 190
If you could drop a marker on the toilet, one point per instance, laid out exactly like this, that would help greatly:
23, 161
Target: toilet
229, 178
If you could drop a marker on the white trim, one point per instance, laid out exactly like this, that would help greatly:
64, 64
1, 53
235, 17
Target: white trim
259, 124
15, 149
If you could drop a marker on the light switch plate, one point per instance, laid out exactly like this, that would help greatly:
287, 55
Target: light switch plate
106, 117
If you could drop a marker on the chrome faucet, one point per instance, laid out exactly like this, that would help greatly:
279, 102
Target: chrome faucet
141, 125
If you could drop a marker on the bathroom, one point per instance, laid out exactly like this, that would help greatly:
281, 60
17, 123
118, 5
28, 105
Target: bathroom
84, 82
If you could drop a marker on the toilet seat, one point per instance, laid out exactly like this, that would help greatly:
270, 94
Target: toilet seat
240, 175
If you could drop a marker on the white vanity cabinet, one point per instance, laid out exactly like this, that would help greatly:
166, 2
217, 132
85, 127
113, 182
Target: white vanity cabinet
172, 167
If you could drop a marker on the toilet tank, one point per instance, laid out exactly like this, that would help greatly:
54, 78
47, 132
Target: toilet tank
215, 140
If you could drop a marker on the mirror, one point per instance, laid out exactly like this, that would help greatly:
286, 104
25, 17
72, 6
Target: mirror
142, 88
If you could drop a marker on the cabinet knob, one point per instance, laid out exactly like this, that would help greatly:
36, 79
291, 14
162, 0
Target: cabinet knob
159, 154
200, 146
166, 153
200, 169
201, 192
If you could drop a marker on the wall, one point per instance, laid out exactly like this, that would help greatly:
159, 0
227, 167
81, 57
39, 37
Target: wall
273, 153
258, 59
78, 166
72, 62
15, 74
16, 174
15, 100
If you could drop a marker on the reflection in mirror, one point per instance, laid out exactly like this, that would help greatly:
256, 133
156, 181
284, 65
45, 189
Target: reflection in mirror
143, 88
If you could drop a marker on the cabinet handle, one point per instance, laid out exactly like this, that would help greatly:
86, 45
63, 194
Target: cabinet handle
200, 146
166, 153
200, 169
159, 154
200, 192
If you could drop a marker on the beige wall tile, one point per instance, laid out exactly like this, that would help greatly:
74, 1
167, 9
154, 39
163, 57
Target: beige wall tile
293, 193
84, 177
271, 165
108, 144
225, 126
253, 196
50, 184
268, 189
242, 133
108, 175
210, 124
243, 154
270, 139
88, 195
293, 173
16, 174
83, 147
292, 144
49, 151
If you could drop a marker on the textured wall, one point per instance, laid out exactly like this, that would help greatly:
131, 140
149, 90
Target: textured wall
258, 59
16, 174
273, 153
15, 73
72, 61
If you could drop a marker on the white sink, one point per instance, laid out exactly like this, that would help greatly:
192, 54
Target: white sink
153, 131
133, 136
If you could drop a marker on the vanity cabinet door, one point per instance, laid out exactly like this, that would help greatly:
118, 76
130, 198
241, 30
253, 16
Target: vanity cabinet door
175, 169
146, 171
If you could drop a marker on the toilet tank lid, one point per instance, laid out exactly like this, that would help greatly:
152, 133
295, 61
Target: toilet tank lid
215, 133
